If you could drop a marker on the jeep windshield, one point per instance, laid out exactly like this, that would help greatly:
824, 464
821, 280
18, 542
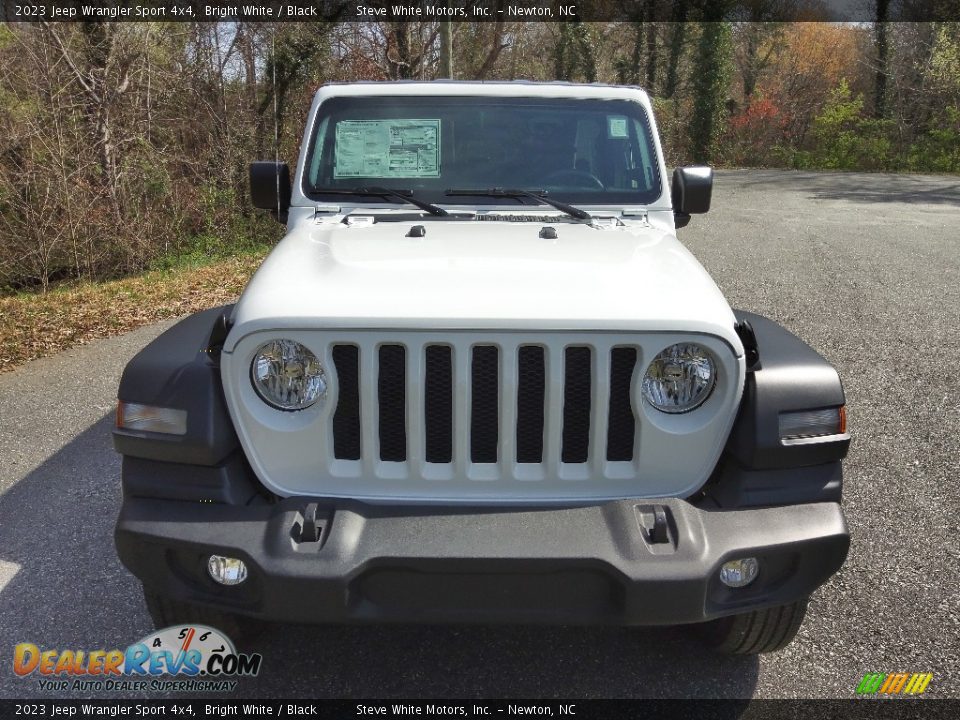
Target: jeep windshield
580, 151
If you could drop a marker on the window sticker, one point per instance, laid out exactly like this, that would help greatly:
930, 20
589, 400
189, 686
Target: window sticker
616, 126
387, 149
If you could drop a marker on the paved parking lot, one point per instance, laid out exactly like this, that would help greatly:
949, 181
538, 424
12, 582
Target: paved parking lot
866, 268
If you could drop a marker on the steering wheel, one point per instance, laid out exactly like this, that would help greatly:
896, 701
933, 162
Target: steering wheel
576, 178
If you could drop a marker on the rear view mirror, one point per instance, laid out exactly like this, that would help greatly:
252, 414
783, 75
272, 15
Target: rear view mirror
270, 187
691, 191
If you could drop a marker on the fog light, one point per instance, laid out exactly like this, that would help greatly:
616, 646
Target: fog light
227, 570
739, 573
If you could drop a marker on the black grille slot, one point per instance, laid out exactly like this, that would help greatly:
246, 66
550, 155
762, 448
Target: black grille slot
391, 389
576, 405
438, 404
531, 392
346, 418
620, 427
485, 393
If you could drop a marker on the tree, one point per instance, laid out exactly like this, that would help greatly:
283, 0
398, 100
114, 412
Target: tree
653, 56
628, 68
814, 59
710, 82
678, 30
574, 55
479, 45
295, 54
124, 145
880, 38
100, 61
446, 50
758, 35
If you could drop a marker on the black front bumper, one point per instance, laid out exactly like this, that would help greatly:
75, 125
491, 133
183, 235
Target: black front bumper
593, 564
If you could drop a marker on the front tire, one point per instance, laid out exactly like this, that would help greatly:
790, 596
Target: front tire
759, 631
165, 611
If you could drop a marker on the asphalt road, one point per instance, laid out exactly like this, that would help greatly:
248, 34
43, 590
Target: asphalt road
866, 268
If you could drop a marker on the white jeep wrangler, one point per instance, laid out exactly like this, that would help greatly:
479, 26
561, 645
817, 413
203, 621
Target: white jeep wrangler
481, 380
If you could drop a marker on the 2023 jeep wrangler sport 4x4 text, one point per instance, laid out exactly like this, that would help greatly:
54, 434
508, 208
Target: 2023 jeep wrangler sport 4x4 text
480, 380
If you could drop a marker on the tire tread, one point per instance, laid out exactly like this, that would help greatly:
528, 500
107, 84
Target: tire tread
165, 611
758, 631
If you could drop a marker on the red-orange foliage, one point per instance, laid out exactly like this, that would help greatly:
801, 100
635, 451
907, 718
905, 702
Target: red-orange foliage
754, 133
816, 56
760, 114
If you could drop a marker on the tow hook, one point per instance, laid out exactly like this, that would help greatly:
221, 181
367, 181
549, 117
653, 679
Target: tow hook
653, 524
309, 526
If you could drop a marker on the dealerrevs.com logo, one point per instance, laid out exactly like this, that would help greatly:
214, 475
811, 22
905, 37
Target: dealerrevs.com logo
894, 683
188, 658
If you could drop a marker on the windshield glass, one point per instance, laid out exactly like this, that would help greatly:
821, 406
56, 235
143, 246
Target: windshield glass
580, 151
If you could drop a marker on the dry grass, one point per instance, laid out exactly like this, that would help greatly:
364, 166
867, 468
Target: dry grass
37, 325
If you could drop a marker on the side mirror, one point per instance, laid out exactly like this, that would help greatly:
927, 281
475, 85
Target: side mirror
691, 191
270, 187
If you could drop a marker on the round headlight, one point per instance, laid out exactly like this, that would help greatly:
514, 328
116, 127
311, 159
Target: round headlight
679, 379
287, 375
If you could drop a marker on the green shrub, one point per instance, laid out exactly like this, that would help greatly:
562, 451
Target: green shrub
847, 140
939, 149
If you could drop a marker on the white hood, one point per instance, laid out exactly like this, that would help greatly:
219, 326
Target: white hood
482, 275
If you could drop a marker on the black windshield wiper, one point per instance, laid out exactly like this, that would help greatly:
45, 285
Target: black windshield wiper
405, 195
539, 195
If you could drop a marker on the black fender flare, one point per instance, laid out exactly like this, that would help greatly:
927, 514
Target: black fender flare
756, 468
181, 369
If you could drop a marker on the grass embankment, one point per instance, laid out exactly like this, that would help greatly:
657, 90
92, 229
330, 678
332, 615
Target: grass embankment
34, 325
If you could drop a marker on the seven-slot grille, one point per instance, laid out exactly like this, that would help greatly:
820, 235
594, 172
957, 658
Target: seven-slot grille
518, 406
